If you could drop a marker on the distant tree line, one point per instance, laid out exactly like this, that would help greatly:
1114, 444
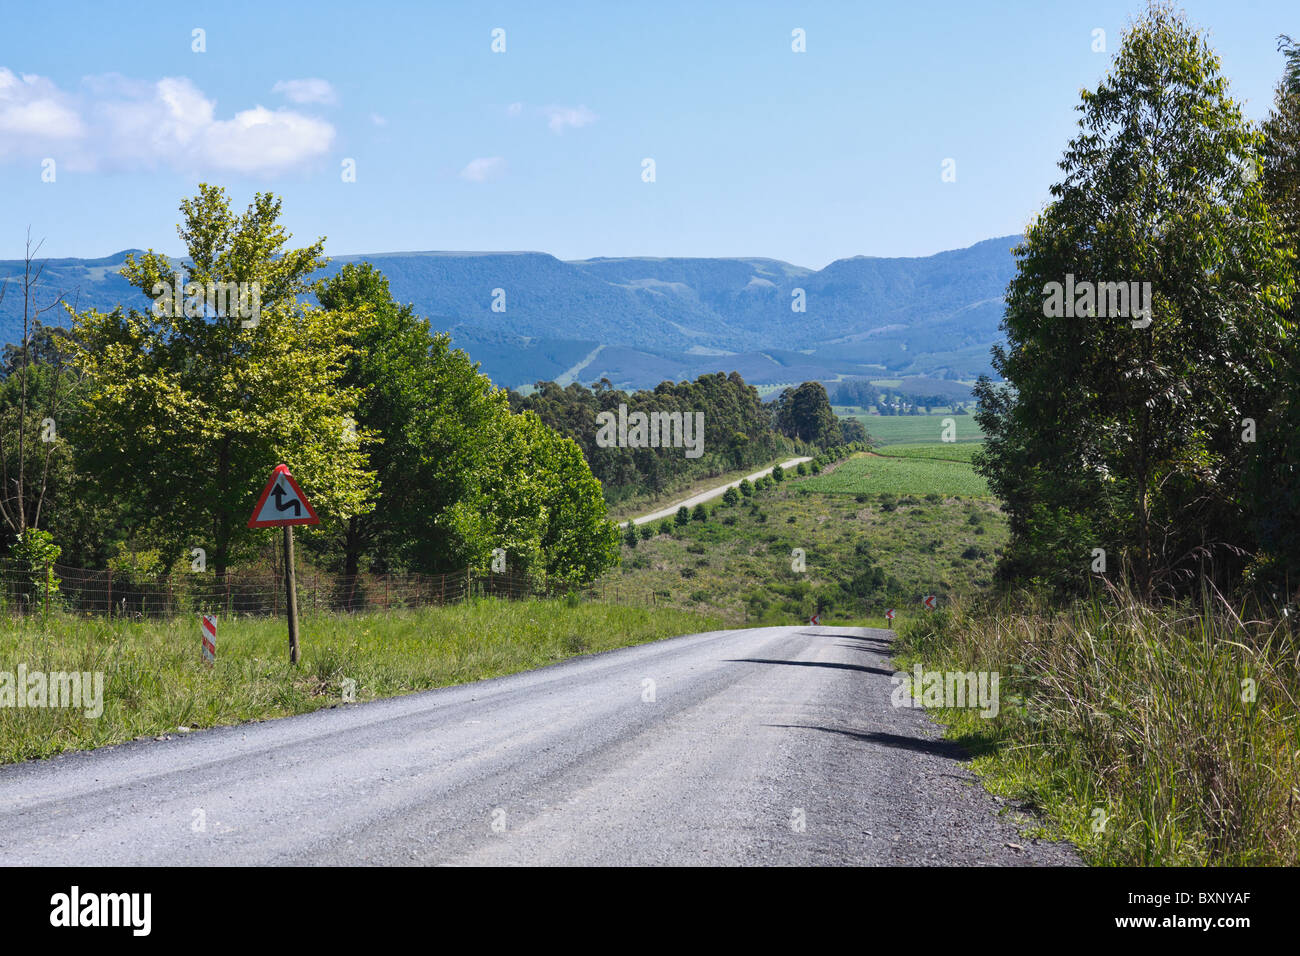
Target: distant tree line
888, 400
740, 429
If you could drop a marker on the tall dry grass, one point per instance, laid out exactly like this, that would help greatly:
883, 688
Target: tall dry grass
1149, 735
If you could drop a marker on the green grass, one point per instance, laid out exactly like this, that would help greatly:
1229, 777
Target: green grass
1130, 728
741, 570
947, 451
154, 681
911, 429
872, 474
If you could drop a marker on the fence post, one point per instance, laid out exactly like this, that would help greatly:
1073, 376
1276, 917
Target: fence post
386, 601
49, 576
229, 604
275, 596
109, 606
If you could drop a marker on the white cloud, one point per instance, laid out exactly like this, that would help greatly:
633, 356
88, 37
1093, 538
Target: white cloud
560, 118
310, 90
514, 109
378, 120
113, 122
481, 170
34, 107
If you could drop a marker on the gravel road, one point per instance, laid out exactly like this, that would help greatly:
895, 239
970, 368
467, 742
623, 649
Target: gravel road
712, 493
760, 746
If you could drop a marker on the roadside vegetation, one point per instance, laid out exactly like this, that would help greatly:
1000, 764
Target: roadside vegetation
638, 505
1144, 627
1147, 736
154, 682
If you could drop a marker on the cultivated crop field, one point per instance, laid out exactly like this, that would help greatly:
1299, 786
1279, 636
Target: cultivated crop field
947, 451
875, 474
912, 429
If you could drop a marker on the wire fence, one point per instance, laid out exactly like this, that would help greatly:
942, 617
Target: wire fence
115, 593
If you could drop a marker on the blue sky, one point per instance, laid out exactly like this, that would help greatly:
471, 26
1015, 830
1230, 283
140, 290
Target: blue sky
758, 150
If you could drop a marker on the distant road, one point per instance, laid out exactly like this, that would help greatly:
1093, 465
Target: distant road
711, 493
773, 745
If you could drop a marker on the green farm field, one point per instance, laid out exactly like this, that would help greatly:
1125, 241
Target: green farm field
945, 451
913, 429
912, 475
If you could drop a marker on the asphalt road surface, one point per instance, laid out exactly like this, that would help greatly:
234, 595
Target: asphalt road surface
760, 746
712, 493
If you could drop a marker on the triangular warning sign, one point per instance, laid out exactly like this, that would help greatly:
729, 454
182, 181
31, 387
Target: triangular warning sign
282, 502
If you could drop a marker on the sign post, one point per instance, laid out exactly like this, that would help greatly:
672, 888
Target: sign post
284, 505
208, 633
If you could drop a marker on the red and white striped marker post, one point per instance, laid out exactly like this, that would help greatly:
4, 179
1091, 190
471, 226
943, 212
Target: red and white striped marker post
209, 632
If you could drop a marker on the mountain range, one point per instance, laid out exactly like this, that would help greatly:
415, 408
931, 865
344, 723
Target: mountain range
638, 321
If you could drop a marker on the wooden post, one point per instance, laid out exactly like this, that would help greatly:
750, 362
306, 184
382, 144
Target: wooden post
291, 596
110, 592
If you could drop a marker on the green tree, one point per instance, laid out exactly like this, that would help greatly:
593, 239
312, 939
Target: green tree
434, 415
1113, 433
191, 404
805, 413
1272, 491
530, 491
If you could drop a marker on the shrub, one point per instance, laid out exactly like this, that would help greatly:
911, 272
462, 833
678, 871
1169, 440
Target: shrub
700, 513
746, 488
802, 468
778, 473
683, 515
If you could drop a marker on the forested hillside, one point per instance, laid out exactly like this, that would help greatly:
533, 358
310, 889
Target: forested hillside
528, 316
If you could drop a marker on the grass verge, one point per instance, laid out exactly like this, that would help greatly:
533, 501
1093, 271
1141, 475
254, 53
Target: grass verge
1146, 736
154, 682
